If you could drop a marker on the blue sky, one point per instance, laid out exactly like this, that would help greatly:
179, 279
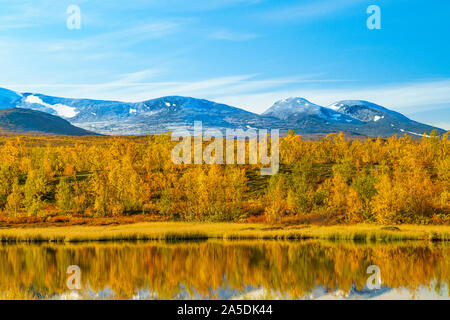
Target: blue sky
246, 53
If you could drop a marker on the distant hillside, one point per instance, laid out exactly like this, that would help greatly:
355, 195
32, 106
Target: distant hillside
26, 121
356, 118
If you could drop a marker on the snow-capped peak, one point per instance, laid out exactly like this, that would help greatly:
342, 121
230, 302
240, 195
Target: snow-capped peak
363, 110
167, 113
300, 108
336, 106
353, 103
284, 108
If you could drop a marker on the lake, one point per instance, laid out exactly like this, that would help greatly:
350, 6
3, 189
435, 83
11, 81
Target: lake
227, 270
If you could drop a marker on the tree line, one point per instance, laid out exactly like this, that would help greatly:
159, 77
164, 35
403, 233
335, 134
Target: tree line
333, 179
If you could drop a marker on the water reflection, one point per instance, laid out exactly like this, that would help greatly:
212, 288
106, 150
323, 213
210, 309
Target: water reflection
225, 270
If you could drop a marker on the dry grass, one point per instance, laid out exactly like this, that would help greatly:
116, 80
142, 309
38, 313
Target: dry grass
184, 231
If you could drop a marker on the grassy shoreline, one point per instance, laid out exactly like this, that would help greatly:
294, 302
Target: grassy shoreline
185, 231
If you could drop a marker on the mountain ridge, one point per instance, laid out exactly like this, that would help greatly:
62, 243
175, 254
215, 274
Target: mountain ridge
172, 113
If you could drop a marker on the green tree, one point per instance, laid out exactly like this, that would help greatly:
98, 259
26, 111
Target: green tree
36, 187
346, 168
364, 185
7, 177
14, 199
63, 196
300, 191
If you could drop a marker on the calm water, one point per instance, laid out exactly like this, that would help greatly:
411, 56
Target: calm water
227, 270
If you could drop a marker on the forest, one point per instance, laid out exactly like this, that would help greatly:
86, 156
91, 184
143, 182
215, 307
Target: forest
332, 180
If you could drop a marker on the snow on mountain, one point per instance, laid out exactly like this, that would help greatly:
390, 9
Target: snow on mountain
363, 110
376, 118
355, 117
284, 108
61, 109
148, 117
380, 120
298, 108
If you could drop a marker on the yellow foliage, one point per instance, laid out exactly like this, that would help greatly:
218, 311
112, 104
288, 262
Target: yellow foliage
393, 180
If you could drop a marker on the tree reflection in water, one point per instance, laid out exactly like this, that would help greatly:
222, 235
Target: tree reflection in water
216, 269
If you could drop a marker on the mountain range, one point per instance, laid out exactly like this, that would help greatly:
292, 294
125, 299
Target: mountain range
354, 117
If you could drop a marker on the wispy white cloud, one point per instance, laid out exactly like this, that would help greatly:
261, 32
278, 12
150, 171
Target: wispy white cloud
310, 10
142, 85
16, 26
130, 88
402, 97
249, 92
119, 38
31, 13
192, 6
437, 115
233, 35
134, 77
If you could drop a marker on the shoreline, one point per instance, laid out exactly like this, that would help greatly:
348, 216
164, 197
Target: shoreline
191, 231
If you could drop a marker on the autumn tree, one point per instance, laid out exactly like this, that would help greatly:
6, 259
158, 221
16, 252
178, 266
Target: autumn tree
300, 188
14, 200
63, 196
364, 185
36, 188
276, 195
7, 177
